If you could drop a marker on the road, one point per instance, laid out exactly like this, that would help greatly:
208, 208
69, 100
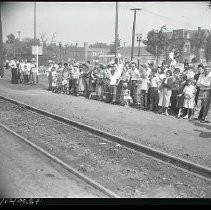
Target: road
25, 172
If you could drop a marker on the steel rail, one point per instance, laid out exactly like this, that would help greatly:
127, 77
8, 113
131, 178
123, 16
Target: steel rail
91, 182
164, 157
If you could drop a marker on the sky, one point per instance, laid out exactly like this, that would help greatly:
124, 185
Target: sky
95, 21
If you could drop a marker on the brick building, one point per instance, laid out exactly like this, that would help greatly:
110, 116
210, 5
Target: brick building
186, 37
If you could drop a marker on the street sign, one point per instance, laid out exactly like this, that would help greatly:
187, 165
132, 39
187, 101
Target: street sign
34, 50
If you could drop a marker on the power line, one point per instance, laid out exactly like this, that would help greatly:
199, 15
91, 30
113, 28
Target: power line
169, 18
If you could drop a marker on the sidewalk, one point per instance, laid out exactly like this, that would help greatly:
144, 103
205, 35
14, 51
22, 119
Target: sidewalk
178, 137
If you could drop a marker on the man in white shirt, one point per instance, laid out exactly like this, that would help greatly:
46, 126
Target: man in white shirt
28, 69
135, 76
14, 70
203, 103
75, 73
113, 84
144, 86
21, 66
33, 72
154, 96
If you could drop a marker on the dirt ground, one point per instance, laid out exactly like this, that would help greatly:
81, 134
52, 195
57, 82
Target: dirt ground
178, 137
26, 173
127, 173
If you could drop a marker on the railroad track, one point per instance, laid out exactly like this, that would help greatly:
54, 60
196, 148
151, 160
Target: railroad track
163, 158
89, 181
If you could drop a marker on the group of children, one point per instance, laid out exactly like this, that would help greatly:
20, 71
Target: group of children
152, 88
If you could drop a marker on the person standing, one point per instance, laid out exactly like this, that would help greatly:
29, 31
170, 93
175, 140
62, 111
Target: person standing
204, 84
87, 80
21, 66
7, 65
154, 97
75, 79
189, 94
196, 77
49, 74
144, 87
113, 84
14, 69
135, 75
28, 65
33, 72
65, 80
165, 93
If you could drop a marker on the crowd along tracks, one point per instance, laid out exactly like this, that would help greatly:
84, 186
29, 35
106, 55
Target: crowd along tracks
115, 166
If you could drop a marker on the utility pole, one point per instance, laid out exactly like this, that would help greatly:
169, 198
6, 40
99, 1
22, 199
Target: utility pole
116, 34
34, 21
1, 49
133, 32
139, 39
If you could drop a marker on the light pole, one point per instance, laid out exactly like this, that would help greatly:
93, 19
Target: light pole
139, 39
34, 21
133, 32
116, 34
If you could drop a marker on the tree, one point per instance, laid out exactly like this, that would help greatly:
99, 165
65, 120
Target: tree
10, 39
156, 42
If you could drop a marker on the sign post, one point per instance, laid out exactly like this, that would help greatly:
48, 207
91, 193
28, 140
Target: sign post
37, 50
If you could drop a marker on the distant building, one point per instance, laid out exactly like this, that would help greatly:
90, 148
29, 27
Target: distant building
145, 56
186, 36
85, 53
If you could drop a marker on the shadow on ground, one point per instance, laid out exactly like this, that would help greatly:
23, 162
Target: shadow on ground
203, 134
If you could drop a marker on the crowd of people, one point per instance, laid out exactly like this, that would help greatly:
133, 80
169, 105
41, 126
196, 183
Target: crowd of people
23, 71
160, 89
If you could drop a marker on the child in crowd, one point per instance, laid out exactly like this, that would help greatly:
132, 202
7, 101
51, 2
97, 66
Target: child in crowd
189, 93
144, 86
127, 99
54, 80
65, 81
180, 96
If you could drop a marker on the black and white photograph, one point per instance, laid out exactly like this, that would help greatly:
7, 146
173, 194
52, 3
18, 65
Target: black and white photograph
105, 101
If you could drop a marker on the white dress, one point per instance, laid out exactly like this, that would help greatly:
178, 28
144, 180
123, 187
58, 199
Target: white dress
189, 92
